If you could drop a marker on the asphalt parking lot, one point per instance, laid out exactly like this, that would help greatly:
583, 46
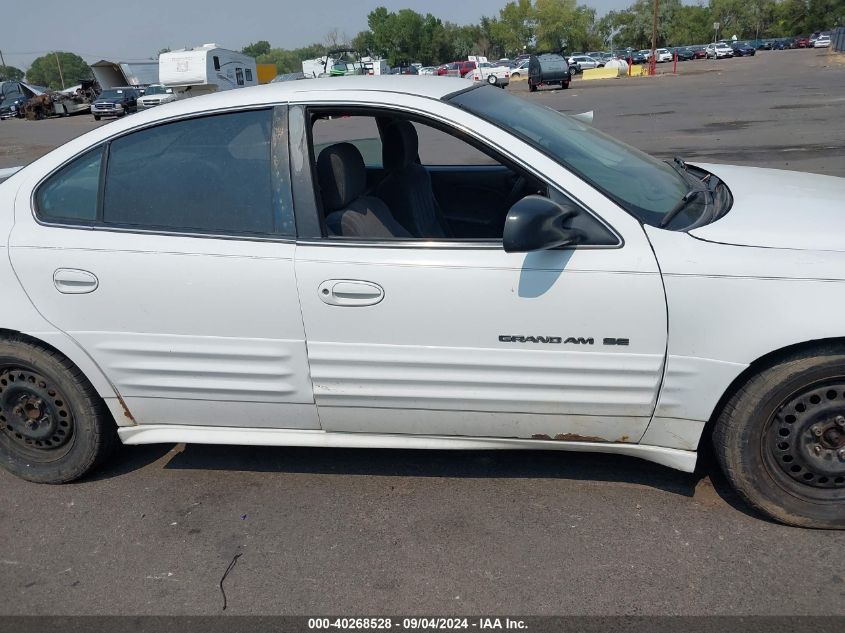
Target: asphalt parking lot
329, 531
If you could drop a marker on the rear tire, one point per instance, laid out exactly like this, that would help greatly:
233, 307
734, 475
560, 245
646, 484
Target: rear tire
96, 118
54, 428
564, 85
780, 440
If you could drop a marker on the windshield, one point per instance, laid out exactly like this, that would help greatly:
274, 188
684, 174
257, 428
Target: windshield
156, 90
646, 187
111, 94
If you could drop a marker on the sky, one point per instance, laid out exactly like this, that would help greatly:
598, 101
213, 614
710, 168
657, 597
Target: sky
126, 31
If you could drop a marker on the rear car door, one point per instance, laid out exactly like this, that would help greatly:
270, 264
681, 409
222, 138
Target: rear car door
166, 253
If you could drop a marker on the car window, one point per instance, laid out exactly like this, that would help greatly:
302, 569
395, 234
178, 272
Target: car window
71, 192
439, 148
452, 190
208, 174
361, 131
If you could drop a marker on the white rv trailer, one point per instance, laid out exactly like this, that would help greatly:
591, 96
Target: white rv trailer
206, 68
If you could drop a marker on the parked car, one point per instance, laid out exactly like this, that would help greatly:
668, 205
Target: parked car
801, 42
115, 102
742, 49
155, 95
446, 69
663, 55
12, 106
583, 62
636, 57
465, 67
780, 45
95, 350
428, 70
699, 51
719, 50
823, 41
684, 54
493, 74
520, 70
548, 69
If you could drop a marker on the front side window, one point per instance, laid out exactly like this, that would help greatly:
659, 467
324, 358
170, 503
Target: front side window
384, 176
70, 194
210, 174
647, 187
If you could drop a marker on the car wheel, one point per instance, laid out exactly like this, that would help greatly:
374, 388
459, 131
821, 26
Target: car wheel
513, 75
96, 118
491, 79
781, 440
564, 85
54, 427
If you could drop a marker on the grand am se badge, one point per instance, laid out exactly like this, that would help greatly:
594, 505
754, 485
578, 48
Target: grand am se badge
559, 340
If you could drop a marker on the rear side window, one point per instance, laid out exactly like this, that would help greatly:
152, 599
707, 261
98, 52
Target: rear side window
70, 194
210, 174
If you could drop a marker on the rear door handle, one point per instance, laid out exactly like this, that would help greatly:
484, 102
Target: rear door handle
72, 281
350, 292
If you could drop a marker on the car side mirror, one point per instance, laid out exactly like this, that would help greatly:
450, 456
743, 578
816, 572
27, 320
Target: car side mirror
537, 223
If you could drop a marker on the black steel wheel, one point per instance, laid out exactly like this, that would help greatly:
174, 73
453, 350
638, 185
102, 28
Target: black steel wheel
34, 415
780, 439
806, 441
54, 427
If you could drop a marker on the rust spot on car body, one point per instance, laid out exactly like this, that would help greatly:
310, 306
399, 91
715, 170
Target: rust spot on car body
568, 437
125, 409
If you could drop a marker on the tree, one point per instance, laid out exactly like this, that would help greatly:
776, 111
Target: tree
45, 70
257, 49
10, 73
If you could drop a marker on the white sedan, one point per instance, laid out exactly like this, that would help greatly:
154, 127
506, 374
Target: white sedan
584, 62
420, 263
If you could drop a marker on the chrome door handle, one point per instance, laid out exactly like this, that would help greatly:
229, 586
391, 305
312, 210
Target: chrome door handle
350, 292
72, 281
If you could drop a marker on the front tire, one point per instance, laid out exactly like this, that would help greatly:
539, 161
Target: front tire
54, 428
780, 440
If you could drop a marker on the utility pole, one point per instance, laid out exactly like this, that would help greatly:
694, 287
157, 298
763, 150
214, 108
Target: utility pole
2, 61
653, 61
59, 64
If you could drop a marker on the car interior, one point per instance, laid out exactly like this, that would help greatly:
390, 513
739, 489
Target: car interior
385, 176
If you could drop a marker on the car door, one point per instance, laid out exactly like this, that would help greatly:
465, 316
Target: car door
458, 337
166, 253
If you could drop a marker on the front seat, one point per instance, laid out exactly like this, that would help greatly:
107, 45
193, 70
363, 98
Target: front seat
407, 187
349, 213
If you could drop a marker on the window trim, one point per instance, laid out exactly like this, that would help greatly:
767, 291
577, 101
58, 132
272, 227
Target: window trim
507, 158
280, 174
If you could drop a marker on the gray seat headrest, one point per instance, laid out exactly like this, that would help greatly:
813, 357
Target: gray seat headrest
400, 145
342, 175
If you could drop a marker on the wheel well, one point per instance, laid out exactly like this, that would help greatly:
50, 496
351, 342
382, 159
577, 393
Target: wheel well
765, 362
14, 334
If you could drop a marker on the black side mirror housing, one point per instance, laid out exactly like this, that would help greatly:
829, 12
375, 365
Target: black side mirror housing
537, 223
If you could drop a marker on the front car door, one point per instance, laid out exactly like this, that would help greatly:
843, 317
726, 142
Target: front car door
458, 337
166, 253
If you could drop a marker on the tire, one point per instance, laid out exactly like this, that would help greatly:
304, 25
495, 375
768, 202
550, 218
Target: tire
514, 75
780, 440
96, 118
564, 85
492, 80
75, 431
